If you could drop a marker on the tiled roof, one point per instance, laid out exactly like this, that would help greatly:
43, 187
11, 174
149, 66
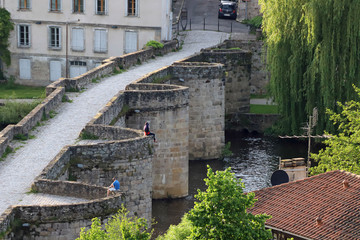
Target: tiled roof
295, 206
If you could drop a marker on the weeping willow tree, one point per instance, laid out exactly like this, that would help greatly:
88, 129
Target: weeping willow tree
313, 55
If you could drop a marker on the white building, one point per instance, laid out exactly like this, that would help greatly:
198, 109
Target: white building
60, 38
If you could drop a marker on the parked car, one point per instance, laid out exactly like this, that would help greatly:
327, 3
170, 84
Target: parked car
227, 9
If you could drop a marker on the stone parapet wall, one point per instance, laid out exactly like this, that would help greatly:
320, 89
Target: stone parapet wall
64, 221
112, 132
39, 113
71, 189
206, 82
156, 96
238, 68
260, 77
111, 111
57, 166
52, 222
157, 76
54, 99
129, 160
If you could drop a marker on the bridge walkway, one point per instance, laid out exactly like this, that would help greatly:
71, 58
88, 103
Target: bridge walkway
19, 169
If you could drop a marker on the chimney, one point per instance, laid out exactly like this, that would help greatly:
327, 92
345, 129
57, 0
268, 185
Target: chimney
319, 221
345, 184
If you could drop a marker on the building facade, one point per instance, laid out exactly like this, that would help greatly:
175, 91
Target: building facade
66, 38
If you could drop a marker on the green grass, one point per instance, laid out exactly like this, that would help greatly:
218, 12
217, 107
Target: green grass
15, 91
263, 109
253, 96
13, 112
88, 136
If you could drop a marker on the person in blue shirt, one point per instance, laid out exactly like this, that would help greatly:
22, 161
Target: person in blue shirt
115, 186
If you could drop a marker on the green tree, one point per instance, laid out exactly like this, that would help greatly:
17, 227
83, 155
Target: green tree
5, 28
181, 231
221, 212
313, 56
343, 150
120, 226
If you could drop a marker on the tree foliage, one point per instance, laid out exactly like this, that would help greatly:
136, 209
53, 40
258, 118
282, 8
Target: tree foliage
221, 212
343, 150
181, 231
120, 226
313, 54
5, 28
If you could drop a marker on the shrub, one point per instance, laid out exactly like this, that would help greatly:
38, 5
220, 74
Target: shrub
154, 44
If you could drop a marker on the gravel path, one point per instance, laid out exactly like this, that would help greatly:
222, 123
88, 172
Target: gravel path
19, 170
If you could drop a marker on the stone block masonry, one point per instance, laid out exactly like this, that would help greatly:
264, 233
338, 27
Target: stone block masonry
166, 108
185, 103
259, 75
206, 82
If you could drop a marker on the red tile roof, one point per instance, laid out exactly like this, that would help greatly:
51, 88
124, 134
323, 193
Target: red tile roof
295, 206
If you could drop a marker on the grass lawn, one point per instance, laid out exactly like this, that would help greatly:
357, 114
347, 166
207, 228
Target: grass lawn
15, 91
262, 96
263, 109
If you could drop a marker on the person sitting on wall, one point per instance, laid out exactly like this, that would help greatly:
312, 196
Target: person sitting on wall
147, 130
115, 186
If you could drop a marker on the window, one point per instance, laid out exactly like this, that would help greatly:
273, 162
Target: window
132, 6
54, 37
24, 69
77, 39
101, 7
100, 40
78, 6
24, 4
77, 68
55, 5
131, 41
55, 70
23, 36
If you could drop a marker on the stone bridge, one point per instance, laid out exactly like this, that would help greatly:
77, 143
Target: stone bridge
186, 103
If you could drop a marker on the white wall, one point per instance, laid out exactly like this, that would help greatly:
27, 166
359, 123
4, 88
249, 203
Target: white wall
152, 23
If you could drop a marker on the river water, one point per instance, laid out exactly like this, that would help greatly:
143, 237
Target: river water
254, 159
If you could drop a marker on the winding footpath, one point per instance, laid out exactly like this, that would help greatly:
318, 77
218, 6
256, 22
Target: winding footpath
19, 169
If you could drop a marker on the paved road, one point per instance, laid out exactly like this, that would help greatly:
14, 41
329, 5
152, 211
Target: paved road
198, 10
19, 170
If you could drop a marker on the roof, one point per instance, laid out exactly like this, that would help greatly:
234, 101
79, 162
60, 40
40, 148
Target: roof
295, 206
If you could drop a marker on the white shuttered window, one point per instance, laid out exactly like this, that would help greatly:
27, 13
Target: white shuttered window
100, 40
25, 68
77, 39
55, 70
131, 41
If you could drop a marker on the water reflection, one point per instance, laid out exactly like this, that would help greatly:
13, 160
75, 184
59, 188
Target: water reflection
255, 158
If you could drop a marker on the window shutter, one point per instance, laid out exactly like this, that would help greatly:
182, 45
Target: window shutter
100, 41
130, 41
55, 70
24, 69
103, 41
77, 40
137, 7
